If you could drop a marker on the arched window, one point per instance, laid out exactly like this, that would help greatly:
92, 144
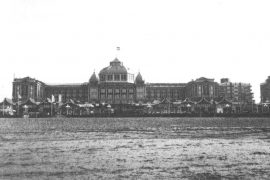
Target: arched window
199, 90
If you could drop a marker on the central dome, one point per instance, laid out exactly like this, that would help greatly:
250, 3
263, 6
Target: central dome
116, 72
115, 67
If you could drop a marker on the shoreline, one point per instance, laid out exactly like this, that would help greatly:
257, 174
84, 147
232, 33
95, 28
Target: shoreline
243, 115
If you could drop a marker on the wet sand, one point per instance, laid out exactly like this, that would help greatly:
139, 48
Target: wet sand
130, 148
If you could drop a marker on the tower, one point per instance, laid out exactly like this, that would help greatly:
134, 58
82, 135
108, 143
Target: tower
140, 88
93, 88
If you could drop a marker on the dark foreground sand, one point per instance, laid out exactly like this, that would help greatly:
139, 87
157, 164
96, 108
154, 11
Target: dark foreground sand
130, 148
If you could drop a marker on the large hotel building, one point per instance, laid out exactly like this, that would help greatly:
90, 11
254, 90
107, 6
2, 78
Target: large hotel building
115, 85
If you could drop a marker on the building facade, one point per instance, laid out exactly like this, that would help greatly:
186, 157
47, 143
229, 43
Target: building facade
26, 88
202, 88
115, 85
65, 92
265, 91
160, 91
236, 92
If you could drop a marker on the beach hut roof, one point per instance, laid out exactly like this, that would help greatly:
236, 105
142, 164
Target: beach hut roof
30, 101
203, 101
224, 101
7, 101
165, 101
187, 101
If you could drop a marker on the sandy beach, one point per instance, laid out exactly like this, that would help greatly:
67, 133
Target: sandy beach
130, 148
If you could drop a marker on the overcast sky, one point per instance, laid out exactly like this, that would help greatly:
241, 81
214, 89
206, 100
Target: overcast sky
64, 41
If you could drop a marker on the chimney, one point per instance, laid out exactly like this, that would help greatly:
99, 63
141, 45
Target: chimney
224, 80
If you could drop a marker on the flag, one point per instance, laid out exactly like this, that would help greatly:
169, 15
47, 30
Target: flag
53, 99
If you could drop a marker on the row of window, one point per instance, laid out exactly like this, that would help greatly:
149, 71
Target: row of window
116, 90
75, 91
116, 96
102, 91
163, 96
111, 101
25, 90
164, 92
113, 77
201, 90
68, 96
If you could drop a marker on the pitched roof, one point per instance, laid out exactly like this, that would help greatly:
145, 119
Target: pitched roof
7, 101
93, 78
203, 101
29, 101
224, 101
202, 79
69, 103
187, 101
46, 101
139, 78
165, 101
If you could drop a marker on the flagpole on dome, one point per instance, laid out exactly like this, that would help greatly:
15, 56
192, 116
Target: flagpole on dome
117, 52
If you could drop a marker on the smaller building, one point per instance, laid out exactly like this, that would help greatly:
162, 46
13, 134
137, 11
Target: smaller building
6, 107
26, 88
161, 91
236, 92
265, 91
64, 92
202, 88
240, 94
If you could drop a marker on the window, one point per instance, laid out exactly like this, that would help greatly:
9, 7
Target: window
109, 77
93, 93
199, 91
117, 77
31, 91
211, 91
102, 78
109, 96
18, 89
110, 91
25, 90
123, 77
